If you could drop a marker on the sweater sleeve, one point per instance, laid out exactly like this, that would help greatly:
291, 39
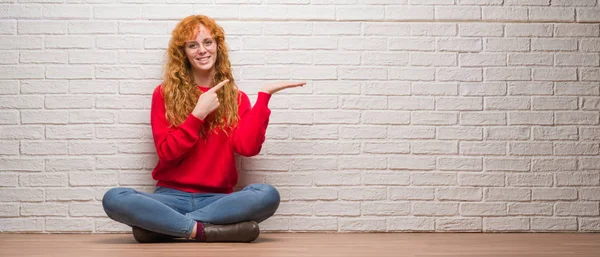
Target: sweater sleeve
171, 142
248, 137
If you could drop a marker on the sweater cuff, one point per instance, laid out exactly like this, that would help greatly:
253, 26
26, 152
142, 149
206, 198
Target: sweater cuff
192, 122
263, 99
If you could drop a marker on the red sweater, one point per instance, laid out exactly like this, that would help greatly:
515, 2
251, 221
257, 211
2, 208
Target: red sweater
194, 164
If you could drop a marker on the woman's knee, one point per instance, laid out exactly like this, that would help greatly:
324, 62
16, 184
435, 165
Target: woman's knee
113, 199
270, 197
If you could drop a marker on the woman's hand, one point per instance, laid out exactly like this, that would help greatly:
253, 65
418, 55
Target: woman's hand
276, 87
208, 101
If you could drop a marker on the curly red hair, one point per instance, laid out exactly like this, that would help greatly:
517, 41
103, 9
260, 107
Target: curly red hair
179, 90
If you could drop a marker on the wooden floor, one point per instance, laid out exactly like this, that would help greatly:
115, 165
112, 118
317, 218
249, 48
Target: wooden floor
311, 244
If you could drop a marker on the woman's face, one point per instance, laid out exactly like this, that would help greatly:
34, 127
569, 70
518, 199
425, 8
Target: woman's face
202, 51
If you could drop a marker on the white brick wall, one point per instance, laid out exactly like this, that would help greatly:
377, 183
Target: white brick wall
458, 115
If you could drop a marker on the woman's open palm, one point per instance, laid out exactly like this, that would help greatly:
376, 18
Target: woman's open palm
276, 87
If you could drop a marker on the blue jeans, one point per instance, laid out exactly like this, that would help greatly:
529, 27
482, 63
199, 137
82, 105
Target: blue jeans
173, 212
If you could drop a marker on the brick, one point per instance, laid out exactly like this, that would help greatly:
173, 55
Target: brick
434, 118
19, 42
44, 117
504, 13
414, 132
433, 179
340, 58
507, 103
412, 163
70, 164
530, 209
551, 14
360, 13
577, 88
433, 29
414, 193
44, 86
552, 194
531, 118
43, 180
337, 209
21, 195
479, 118
459, 194
295, 208
579, 148
314, 224
507, 74
481, 180
459, 103
589, 194
415, 44
529, 30
313, 164
353, 44
69, 225
555, 133
482, 88
577, 59
577, 117
589, 224
386, 29
372, 88
411, 224
506, 164
385, 178
577, 30
462, 133
44, 209
553, 44
43, 148
434, 209
480, 30
366, 163
530, 59
587, 15
337, 179
577, 179
304, 194
363, 194
505, 224
415, 74
21, 225
411, 103
553, 224
385, 117
385, 208
434, 147
362, 224
460, 163
409, 13
553, 164
507, 194
530, 88
507, 44
483, 209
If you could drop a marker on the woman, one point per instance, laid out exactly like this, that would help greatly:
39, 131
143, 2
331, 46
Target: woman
199, 120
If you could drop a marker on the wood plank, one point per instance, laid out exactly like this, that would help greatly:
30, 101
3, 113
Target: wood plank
312, 244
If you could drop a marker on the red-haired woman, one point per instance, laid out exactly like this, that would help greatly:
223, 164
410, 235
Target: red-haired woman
199, 120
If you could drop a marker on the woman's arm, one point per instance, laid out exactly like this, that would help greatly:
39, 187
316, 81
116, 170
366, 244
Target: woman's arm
172, 143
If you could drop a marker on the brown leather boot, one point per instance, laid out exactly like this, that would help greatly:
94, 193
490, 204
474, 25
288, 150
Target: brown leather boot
146, 236
246, 231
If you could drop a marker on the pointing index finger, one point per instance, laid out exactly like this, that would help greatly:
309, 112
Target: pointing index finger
219, 86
